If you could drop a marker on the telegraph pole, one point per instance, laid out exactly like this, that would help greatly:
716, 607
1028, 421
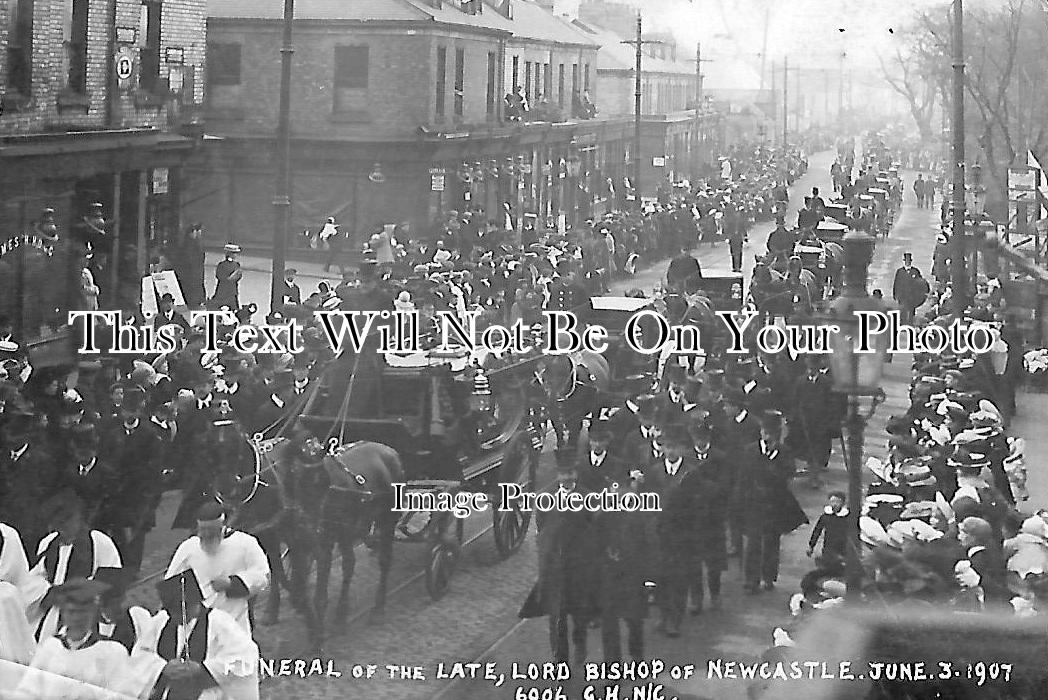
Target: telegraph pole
958, 275
638, 43
785, 100
282, 197
699, 60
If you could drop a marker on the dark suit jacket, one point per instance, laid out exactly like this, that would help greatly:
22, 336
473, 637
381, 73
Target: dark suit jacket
763, 498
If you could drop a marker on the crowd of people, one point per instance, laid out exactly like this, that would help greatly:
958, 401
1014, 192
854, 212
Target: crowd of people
89, 449
721, 445
87, 452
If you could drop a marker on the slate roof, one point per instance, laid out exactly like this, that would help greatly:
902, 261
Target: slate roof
614, 55
530, 20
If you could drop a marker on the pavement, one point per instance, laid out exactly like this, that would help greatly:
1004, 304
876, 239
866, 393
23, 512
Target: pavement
477, 619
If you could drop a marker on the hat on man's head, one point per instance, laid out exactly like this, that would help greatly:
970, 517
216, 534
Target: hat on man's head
210, 511
907, 256
231, 248
85, 436
600, 430
676, 435
60, 506
182, 587
18, 422
646, 407
115, 579
80, 591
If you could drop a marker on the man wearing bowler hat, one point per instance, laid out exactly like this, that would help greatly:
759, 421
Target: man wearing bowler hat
674, 478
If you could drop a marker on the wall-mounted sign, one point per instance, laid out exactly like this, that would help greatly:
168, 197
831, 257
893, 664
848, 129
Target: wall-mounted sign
126, 35
26, 240
175, 78
124, 65
160, 178
658, 162
175, 55
436, 171
436, 181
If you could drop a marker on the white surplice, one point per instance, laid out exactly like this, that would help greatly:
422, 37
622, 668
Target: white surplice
231, 658
106, 555
238, 554
89, 673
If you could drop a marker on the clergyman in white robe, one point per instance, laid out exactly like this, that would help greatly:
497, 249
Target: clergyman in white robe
53, 569
239, 557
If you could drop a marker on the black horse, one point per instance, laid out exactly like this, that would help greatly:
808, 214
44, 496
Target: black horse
308, 502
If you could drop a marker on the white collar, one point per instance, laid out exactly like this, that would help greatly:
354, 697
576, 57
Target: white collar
597, 458
301, 384
17, 454
674, 466
85, 468
842, 514
764, 450
129, 428
975, 550
157, 421
204, 402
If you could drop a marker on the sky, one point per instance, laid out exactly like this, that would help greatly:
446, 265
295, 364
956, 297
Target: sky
808, 31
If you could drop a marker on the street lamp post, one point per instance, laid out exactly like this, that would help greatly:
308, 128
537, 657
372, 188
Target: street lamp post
856, 372
282, 197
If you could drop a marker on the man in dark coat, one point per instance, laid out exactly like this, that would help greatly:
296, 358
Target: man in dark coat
710, 515
27, 476
88, 475
167, 316
568, 585
190, 267
675, 479
290, 293
681, 268
768, 508
814, 419
625, 571
910, 289
735, 428
136, 448
599, 466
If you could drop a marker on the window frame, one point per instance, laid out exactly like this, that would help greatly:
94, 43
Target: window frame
440, 104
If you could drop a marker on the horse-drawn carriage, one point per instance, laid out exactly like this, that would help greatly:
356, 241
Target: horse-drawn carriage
447, 427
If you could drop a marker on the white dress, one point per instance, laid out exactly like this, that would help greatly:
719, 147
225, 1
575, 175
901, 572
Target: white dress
231, 659
89, 673
238, 554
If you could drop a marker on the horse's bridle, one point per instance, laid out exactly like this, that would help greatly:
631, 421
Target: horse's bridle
332, 452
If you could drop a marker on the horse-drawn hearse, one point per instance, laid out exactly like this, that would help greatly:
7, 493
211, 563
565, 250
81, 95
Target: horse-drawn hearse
444, 427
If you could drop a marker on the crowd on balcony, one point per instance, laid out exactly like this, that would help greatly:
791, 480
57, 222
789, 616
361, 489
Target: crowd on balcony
519, 109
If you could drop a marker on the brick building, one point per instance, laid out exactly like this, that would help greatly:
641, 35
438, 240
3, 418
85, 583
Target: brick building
93, 97
398, 115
